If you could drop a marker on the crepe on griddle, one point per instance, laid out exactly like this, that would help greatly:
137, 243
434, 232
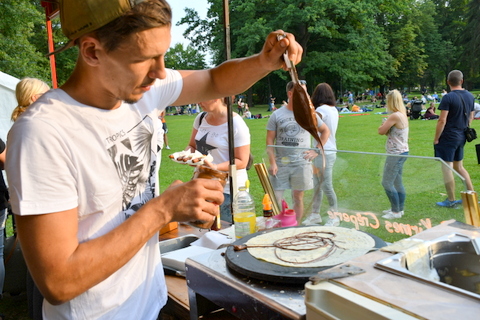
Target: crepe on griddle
350, 244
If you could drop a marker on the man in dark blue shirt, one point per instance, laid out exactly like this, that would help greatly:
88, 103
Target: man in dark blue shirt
456, 115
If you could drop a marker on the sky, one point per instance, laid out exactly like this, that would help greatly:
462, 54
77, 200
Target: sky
178, 6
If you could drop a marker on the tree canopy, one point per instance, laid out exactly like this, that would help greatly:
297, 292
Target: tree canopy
351, 44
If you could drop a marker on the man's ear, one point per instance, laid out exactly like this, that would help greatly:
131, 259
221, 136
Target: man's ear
90, 49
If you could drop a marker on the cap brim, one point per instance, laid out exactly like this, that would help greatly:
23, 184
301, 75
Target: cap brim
69, 44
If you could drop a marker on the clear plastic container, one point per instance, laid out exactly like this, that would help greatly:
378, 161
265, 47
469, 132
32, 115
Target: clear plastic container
244, 215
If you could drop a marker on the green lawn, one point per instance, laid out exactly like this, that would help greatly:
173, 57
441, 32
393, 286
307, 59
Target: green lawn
357, 177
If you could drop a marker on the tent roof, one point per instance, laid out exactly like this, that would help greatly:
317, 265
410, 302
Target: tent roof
8, 81
8, 102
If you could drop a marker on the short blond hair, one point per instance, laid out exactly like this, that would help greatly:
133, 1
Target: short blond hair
25, 92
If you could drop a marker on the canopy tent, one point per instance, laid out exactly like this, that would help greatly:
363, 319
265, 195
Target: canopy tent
8, 102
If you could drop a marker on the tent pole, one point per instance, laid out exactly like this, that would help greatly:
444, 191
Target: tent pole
51, 48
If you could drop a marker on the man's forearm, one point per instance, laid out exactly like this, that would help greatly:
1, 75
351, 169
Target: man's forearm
439, 130
238, 75
271, 155
64, 271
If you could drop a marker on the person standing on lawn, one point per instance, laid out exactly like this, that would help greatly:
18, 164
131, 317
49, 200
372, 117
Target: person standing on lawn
395, 127
165, 129
291, 168
88, 217
324, 100
456, 114
210, 136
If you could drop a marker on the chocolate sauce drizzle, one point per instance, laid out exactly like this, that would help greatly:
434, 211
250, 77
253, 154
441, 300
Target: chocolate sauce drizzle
305, 241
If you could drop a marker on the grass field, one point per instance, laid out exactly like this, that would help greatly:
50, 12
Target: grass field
357, 176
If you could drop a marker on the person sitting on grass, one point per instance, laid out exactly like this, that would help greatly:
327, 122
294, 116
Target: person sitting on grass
430, 113
356, 108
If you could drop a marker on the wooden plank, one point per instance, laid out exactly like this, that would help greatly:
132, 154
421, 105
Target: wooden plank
177, 290
178, 306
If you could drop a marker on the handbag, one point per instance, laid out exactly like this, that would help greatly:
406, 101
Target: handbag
470, 133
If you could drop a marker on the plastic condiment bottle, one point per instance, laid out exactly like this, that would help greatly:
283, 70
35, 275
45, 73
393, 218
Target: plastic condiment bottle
244, 215
270, 221
288, 217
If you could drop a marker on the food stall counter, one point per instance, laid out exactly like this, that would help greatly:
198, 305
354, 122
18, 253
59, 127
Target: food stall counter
177, 306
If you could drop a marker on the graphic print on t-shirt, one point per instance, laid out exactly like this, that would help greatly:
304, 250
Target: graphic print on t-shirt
203, 146
134, 160
289, 132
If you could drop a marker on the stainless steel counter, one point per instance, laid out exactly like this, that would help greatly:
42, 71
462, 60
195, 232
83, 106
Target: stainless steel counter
209, 280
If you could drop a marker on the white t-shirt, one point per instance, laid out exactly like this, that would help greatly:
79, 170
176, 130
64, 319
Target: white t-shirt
64, 155
330, 118
214, 140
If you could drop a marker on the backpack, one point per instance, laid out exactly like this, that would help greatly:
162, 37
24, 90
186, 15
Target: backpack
250, 157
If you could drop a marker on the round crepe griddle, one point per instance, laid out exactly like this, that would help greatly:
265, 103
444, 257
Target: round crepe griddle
245, 264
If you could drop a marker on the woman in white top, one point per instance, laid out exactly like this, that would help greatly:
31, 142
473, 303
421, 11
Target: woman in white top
324, 99
210, 136
395, 127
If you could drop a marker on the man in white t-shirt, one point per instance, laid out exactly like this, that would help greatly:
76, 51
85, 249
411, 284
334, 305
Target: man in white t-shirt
81, 161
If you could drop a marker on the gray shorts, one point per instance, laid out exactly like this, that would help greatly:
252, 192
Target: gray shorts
293, 177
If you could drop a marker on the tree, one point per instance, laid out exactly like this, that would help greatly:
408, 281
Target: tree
451, 22
19, 57
184, 59
23, 42
342, 43
470, 40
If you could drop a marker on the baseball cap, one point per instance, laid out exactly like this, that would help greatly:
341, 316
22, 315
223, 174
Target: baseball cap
79, 17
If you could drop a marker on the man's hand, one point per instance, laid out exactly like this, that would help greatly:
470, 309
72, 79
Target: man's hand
273, 169
197, 199
309, 155
273, 49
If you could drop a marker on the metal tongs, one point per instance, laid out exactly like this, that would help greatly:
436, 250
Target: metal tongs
290, 65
